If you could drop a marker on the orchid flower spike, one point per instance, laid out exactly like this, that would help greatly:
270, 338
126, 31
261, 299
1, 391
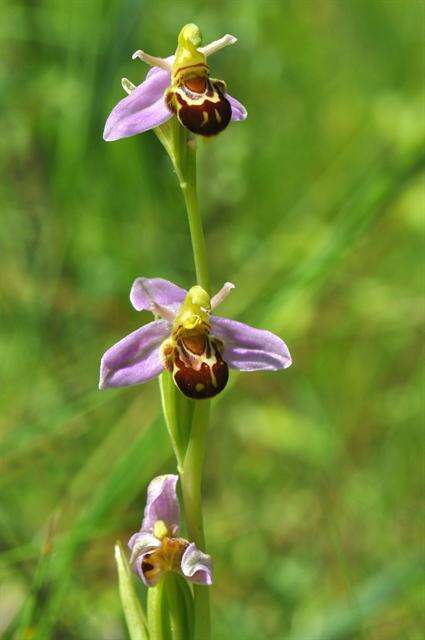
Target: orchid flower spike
180, 86
156, 549
197, 348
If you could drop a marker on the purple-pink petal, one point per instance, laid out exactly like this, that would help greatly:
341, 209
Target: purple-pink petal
250, 349
162, 504
138, 565
146, 292
238, 110
135, 358
123, 124
142, 542
143, 109
196, 565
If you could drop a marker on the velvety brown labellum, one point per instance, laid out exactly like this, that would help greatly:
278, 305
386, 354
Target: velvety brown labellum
197, 366
200, 105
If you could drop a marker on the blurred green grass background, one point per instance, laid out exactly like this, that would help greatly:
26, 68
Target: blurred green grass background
314, 208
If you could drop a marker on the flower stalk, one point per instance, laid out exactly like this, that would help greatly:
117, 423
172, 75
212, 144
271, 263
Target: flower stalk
187, 180
180, 604
191, 479
181, 147
157, 613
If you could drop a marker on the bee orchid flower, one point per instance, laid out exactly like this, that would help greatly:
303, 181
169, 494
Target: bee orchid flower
156, 548
180, 86
197, 348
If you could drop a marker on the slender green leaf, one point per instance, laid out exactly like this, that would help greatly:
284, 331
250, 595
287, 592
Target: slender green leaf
133, 611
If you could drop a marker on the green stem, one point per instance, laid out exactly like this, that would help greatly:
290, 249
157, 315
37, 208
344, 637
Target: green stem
196, 232
191, 475
180, 609
181, 146
184, 161
158, 620
191, 480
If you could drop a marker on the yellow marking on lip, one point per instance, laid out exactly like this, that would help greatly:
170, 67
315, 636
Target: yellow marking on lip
205, 118
199, 386
213, 378
217, 115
